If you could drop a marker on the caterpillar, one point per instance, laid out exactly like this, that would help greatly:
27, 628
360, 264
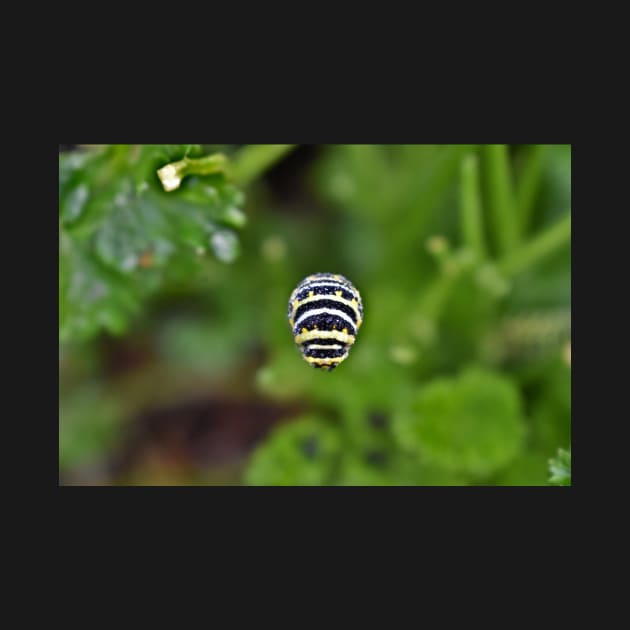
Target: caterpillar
325, 314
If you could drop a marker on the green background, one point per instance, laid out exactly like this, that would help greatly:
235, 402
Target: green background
177, 364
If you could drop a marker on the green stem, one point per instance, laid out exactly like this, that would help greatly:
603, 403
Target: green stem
551, 240
172, 174
501, 196
528, 185
431, 187
436, 296
471, 214
253, 160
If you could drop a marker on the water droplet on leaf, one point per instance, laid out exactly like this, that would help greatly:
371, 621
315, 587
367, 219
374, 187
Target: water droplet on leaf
225, 245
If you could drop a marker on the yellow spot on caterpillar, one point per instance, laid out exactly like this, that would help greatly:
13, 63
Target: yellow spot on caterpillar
295, 304
324, 334
304, 330
345, 331
311, 294
338, 293
315, 326
324, 361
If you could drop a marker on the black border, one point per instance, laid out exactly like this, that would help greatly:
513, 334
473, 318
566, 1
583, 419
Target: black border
363, 518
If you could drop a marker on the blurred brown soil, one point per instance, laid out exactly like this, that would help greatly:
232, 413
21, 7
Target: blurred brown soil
195, 439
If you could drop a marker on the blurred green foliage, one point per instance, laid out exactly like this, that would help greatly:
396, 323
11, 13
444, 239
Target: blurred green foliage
90, 419
560, 468
120, 234
471, 423
461, 371
302, 453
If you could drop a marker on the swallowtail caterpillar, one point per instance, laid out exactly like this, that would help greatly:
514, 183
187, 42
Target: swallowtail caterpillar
325, 314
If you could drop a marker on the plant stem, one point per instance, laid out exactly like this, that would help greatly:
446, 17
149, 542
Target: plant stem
471, 214
436, 295
551, 240
253, 160
501, 197
172, 174
430, 189
528, 185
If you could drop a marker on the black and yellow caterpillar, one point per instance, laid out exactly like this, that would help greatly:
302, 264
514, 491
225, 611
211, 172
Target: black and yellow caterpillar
325, 314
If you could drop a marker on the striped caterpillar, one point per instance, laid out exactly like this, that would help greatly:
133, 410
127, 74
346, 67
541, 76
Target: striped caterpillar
325, 314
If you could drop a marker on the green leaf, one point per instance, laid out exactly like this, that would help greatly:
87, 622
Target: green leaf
555, 195
560, 468
77, 174
378, 468
122, 236
548, 242
471, 423
91, 296
528, 469
500, 194
135, 226
471, 210
301, 453
528, 185
547, 384
177, 151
